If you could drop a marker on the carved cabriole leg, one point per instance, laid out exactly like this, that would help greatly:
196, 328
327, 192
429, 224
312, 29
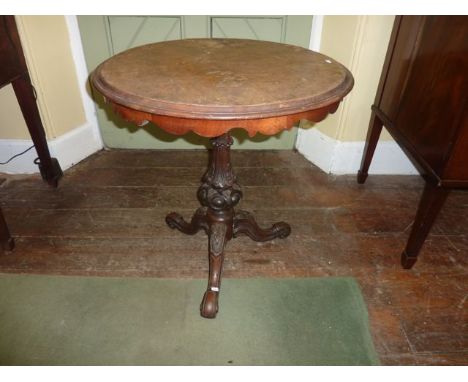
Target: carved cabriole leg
373, 134
6, 241
218, 238
245, 223
432, 200
198, 222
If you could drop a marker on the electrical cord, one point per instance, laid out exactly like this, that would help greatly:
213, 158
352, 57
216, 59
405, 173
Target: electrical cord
16, 155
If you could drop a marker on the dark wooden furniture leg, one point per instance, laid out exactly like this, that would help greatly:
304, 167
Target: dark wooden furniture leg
431, 202
49, 167
6, 241
219, 194
373, 134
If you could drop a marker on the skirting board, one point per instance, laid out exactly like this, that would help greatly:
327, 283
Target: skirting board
330, 155
336, 157
69, 149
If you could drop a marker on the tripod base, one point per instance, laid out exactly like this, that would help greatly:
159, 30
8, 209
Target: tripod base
218, 194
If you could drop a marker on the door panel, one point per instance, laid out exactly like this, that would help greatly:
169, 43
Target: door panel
104, 36
129, 31
267, 29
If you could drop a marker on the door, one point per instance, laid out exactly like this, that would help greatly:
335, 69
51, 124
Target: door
104, 36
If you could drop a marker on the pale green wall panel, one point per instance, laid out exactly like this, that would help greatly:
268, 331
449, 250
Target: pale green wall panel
257, 28
104, 36
129, 31
195, 26
298, 30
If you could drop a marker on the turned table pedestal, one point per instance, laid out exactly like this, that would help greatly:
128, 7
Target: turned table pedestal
210, 86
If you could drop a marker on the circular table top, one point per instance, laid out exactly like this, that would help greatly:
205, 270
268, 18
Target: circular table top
222, 79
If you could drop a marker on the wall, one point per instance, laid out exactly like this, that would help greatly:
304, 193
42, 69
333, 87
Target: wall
12, 125
55, 58
48, 54
336, 144
52, 62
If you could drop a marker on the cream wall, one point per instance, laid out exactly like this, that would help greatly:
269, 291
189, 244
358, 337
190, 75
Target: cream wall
12, 125
360, 43
46, 45
370, 48
336, 144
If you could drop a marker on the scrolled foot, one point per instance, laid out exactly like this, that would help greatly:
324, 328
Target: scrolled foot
407, 261
174, 220
244, 223
198, 222
209, 304
281, 230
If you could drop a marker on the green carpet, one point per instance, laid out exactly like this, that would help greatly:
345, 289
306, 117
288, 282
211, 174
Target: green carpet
63, 320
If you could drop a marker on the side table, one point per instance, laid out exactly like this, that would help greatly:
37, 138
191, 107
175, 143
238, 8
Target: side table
210, 86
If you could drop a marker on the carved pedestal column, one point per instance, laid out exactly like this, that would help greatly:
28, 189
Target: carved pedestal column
219, 194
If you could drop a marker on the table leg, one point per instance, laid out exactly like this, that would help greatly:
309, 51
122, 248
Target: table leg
6, 241
432, 200
49, 167
198, 222
373, 134
244, 223
217, 241
219, 194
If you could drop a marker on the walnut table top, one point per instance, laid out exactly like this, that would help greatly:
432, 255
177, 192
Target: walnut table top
210, 86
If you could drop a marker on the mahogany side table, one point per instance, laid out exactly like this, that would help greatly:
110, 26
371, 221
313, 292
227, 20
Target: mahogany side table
210, 86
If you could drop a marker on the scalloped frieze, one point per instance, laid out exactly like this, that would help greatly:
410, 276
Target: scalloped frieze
214, 127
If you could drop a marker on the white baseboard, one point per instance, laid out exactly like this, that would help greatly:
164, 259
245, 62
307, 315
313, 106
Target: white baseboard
69, 149
336, 157
82, 75
330, 155
75, 145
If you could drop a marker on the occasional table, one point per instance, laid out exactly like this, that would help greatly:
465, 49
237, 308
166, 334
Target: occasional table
210, 86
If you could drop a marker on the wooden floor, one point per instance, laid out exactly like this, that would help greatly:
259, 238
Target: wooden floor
107, 218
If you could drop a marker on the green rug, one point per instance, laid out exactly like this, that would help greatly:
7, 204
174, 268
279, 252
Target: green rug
63, 320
